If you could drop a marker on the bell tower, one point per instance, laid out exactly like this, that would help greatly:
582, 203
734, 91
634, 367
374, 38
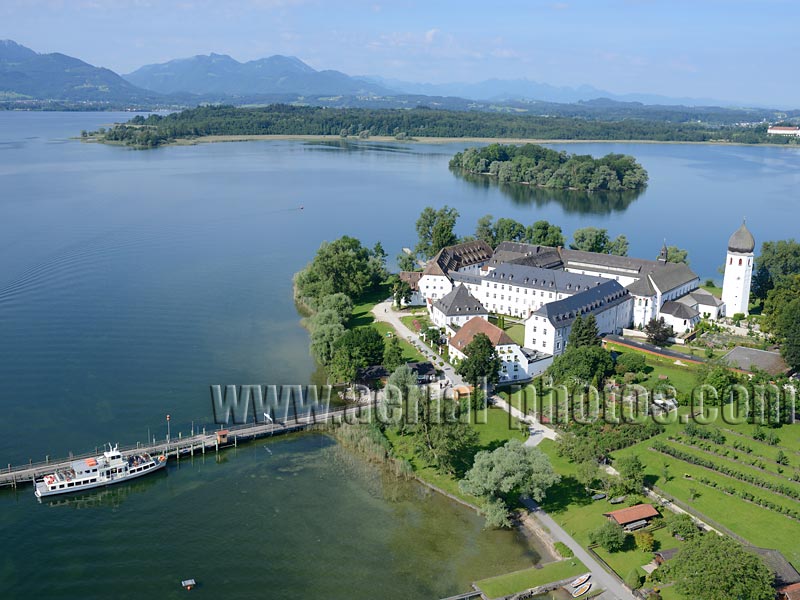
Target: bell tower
738, 272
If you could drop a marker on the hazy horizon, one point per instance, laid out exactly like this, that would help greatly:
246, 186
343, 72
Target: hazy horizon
735, 51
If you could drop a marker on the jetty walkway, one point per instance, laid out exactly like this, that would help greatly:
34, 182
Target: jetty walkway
189, 445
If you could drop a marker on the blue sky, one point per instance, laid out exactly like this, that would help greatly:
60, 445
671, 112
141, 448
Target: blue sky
737, 50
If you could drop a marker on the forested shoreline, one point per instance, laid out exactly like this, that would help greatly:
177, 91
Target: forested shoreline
537, 165
282, 119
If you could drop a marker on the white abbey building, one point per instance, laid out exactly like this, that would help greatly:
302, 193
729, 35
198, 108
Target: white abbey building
548, 288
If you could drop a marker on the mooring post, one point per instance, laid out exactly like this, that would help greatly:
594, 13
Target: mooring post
235, 440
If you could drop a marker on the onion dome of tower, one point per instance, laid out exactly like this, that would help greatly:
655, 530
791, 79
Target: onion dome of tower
742, 241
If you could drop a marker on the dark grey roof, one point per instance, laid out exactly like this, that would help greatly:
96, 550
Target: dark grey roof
642, 287
422, 369
610, 262
465, 278
562, 312
785, 573
747, 358
666, 276
540, 278
705, 297
666, 554
672, 275
679, 310
742, 240
460, 302
528, 254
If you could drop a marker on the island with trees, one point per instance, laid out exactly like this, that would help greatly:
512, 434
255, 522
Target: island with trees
283, 119
536, 165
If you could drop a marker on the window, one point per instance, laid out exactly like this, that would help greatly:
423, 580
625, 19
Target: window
740, 262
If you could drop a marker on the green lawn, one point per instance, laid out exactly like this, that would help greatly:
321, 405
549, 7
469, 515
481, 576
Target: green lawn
504, 585
760, 526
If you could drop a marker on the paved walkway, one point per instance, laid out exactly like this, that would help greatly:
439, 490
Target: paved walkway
600, 576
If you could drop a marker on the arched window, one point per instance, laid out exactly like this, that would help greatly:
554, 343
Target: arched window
731, 261
740, 262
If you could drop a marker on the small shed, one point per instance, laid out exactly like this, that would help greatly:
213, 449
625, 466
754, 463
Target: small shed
222, 436
663, 556
634, 516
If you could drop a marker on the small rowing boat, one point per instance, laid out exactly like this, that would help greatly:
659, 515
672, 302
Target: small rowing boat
582, 590
581, 580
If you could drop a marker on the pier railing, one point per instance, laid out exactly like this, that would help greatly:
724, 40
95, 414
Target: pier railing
14, 474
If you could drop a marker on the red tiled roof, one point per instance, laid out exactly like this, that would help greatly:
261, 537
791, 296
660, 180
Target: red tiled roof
633, 513
473, 327
790, 592
785, 128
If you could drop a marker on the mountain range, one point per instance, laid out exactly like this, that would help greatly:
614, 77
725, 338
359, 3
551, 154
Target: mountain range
28, 76
25, 74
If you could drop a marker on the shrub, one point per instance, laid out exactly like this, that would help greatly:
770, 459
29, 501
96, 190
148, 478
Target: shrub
564, 550
633, 580
609, 535
644, 541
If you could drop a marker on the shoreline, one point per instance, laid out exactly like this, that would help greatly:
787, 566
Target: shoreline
215, 139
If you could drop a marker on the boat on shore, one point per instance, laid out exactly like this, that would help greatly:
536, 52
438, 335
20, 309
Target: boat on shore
582, 590
107, 469
581, 580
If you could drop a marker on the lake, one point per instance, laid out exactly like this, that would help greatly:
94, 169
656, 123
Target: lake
132, 280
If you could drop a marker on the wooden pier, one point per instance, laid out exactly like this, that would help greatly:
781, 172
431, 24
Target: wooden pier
190, 445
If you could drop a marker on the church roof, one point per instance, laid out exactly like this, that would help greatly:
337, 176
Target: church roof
671, 276
541, 278
742, 241
460, 302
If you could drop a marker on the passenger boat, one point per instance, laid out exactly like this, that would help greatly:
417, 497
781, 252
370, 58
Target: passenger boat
581, 580
582, 590
109, 468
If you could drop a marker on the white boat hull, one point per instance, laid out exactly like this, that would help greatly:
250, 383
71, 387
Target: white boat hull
58, 484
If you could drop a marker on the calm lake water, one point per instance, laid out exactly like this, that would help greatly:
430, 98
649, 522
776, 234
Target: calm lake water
131, 280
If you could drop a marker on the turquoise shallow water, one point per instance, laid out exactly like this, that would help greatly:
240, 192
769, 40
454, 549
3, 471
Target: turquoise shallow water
130, 281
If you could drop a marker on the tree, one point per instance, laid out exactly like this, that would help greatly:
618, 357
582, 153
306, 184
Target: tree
392, 354
590, 239
401, 292
785, 290
340, 303
435, 230
484, 230
508, 230
677, 255
404, 381
714, 567
681, 525
583, 332
618, 246
544, 234
582, 365
587, 473
644, 541
778, 259
722, 379
323, 339
439, 435
342, 266
406, 262
634, 579
609, 535
630, 362
356, 349
481, 361
789, 332
658, 332
631, 473
508, 471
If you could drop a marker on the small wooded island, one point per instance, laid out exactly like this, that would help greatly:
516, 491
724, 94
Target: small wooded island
536, 165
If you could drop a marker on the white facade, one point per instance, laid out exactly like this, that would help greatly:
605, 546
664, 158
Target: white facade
736, 284
544, 335
792, 131
433, 287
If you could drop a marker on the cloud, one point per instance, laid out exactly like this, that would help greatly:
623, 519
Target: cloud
430, 35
